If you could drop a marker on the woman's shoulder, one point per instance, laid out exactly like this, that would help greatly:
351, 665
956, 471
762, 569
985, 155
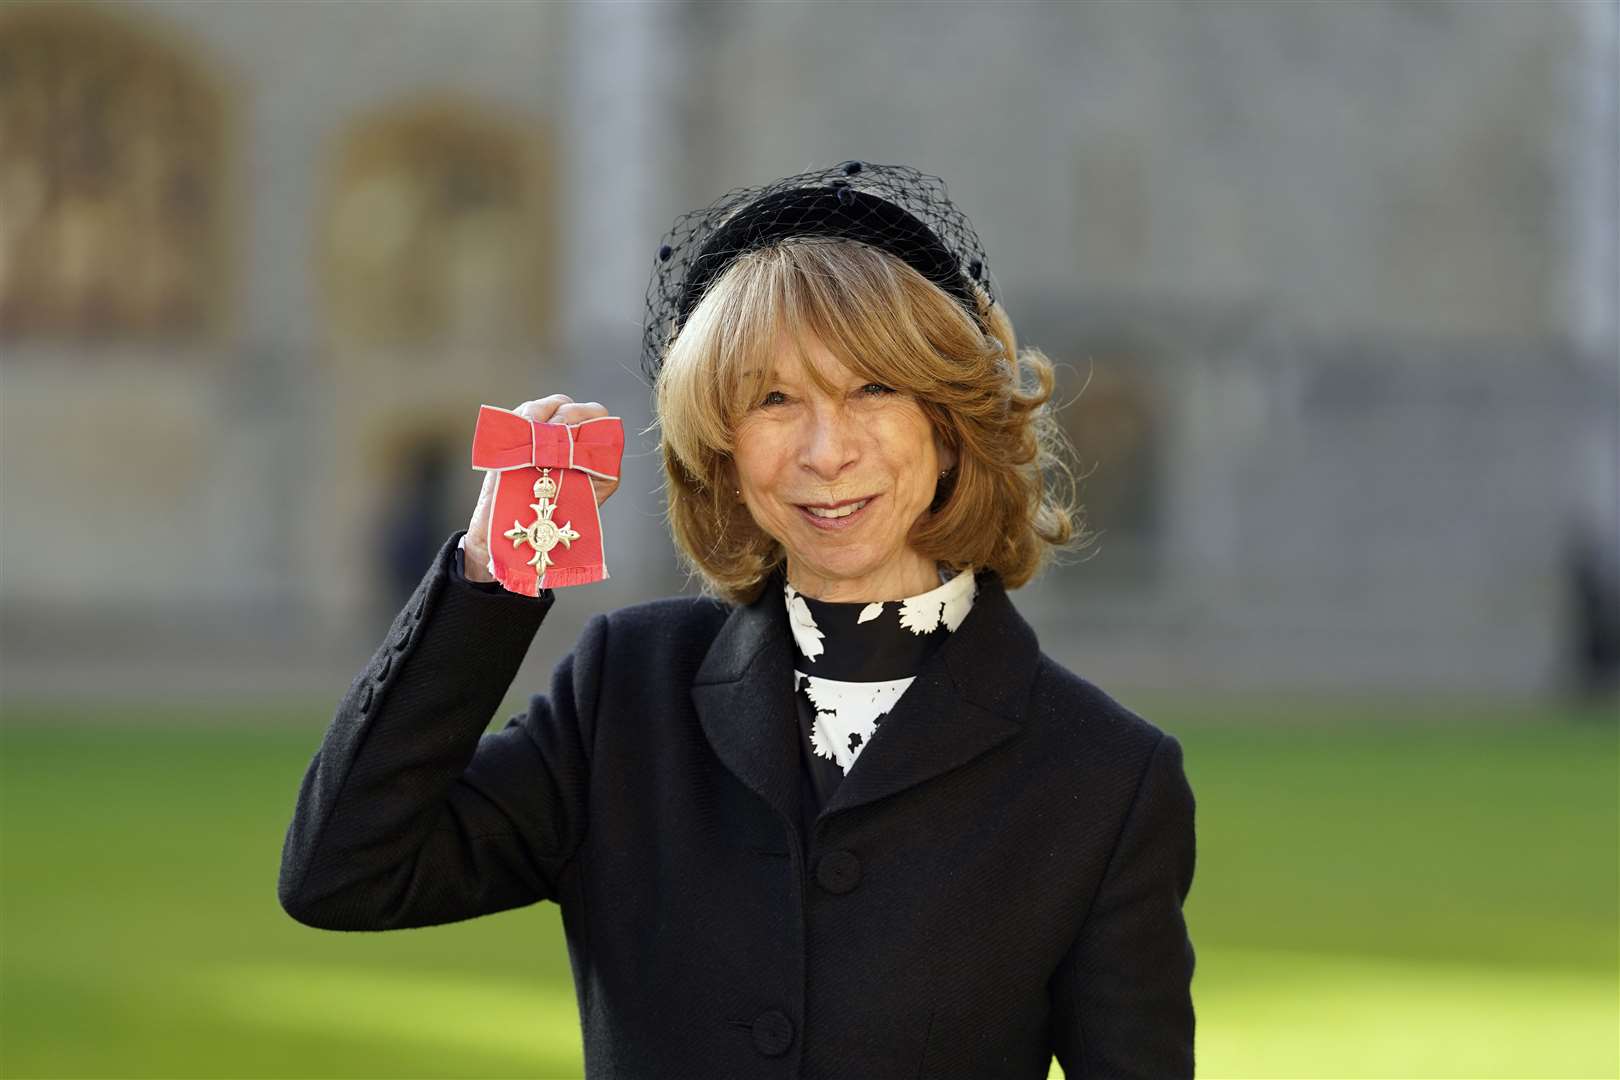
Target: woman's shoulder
683, 614
1069, 716
1079, 716
653, 632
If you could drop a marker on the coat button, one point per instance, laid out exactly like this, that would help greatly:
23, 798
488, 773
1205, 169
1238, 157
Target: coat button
388, 665
773, 1033
365, 698
403, 640
838, 871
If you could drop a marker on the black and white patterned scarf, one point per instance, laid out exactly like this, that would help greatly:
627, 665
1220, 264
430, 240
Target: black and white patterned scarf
855, 660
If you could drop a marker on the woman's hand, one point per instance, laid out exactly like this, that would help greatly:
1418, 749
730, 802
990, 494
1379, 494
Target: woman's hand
556, 409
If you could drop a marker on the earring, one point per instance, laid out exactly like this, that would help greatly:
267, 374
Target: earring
943, 473
737, 492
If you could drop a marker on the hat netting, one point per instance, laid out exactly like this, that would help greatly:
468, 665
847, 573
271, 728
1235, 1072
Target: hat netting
893, 208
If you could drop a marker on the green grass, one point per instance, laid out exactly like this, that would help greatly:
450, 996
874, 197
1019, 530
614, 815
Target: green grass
1400, 898
1401, 891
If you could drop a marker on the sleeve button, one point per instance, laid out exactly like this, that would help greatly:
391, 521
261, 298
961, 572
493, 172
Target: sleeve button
365, 698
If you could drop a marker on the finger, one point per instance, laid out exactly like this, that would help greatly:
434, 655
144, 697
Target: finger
486, 494
541, 410
578, 412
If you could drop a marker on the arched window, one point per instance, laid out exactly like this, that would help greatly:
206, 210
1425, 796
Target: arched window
110, 176
438, 232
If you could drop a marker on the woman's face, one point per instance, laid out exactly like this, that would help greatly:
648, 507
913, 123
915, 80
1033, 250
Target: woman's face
839, 479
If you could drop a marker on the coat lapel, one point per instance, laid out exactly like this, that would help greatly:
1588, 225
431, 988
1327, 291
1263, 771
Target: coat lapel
744, 698
967, 699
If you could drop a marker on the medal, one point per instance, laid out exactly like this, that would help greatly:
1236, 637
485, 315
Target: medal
553, 464
542, 533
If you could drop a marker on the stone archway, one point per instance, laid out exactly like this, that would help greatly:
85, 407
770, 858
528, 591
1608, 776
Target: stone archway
436, 270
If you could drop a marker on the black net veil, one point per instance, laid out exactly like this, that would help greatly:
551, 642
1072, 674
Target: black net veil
893, 208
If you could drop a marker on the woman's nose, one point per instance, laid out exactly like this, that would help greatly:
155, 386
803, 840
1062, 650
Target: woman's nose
830, 444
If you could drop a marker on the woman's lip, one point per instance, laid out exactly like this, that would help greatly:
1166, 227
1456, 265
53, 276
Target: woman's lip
835, 524
836, 505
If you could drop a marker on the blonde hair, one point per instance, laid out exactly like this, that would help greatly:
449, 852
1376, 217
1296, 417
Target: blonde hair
1010, 500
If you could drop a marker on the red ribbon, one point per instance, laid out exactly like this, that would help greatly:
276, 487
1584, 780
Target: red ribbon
526, 554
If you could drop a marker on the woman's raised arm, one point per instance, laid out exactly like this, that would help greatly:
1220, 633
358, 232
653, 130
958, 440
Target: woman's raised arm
410, 814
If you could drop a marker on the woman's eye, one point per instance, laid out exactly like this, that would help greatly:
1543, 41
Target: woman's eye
876, 389
775, 397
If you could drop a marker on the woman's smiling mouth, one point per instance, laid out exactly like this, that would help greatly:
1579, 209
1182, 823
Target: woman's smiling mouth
840, 515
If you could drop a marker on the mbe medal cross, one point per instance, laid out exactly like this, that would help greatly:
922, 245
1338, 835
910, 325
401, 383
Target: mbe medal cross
542, 533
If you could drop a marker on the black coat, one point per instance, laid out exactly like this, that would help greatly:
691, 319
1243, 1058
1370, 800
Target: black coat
1000, 878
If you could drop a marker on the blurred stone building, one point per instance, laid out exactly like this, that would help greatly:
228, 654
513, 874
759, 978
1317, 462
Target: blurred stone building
1333, 288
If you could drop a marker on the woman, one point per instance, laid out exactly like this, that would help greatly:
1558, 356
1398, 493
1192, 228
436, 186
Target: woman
845, 820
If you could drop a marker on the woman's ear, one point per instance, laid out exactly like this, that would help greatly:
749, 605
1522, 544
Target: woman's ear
945, 457
730, 488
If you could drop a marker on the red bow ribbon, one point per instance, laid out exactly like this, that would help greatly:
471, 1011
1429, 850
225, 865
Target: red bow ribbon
544, 489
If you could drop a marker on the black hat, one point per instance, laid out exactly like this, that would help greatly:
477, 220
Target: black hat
890, 207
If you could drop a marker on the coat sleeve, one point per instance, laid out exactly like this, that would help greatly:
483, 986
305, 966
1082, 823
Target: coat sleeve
410, 814
1122, 996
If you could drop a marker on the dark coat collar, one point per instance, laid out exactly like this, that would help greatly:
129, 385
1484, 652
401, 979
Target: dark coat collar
968, 698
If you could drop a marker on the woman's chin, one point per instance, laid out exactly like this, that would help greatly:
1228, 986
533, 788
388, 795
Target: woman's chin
827, 566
